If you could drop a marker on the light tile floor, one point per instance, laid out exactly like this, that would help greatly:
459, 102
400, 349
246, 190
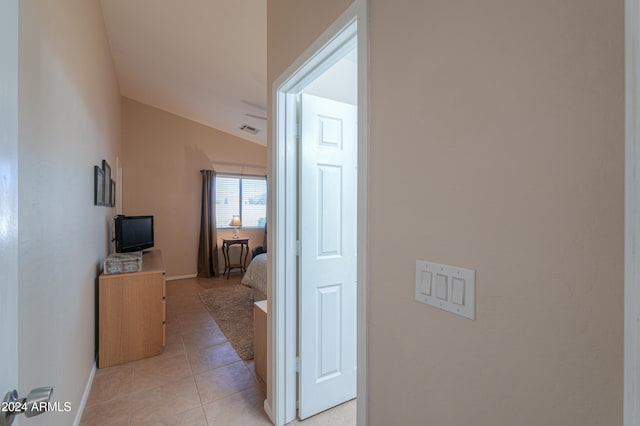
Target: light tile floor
198, 380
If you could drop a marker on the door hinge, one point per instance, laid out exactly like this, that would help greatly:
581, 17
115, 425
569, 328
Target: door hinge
297, 364
298, 247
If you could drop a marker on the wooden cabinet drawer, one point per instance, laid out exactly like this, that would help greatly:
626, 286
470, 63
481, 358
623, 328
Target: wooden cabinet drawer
132, 313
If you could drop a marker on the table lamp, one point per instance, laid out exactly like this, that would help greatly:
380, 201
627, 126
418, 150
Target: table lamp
235, 221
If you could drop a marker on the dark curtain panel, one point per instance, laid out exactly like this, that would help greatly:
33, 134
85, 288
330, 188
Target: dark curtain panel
208, 249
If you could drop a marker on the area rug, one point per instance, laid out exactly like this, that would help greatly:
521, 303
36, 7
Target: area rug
232, 308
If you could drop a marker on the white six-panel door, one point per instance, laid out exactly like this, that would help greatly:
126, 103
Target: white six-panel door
327, 223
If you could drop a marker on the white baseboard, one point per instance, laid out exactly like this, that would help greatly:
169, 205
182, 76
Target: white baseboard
85, 396
181, 277
267, 410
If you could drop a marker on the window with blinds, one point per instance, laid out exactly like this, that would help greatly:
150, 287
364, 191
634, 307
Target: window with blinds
243, 196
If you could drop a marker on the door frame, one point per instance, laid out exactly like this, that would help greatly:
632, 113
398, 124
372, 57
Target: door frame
282, 218
632, 216
9, 140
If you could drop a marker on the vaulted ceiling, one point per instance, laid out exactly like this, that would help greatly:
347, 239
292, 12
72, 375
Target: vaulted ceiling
204, 60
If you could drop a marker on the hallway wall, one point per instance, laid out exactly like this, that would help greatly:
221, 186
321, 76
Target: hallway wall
69, 121
502, 123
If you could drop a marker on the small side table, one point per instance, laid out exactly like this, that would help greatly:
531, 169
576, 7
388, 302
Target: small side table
228, 266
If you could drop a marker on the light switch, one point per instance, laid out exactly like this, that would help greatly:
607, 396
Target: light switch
457, 291
425, 285
441, 287
446, 287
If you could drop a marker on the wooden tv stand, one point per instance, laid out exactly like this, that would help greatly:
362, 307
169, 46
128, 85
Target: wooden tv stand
132, 313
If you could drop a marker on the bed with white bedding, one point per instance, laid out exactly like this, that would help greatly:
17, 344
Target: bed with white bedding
256, 277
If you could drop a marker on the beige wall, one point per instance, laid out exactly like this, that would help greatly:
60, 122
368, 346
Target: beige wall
304, 19
503, 123
163, 156
69, 121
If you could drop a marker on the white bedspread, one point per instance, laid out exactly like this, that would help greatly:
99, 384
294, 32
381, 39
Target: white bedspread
256, 276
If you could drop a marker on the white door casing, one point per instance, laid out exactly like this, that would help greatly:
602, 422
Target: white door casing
632, 217
8, 196
328, 263
348, 30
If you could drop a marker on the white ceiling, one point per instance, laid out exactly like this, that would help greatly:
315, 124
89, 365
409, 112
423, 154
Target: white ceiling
339, 82
201, 59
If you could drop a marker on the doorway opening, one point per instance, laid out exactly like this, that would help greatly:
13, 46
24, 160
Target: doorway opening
317, 338
327, 224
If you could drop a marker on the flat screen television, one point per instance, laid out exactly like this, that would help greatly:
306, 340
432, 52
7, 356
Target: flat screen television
133, 233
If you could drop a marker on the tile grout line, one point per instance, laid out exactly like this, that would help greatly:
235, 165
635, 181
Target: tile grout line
193, 377
195, 382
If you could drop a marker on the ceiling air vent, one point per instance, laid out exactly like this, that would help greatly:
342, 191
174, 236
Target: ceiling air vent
249, 129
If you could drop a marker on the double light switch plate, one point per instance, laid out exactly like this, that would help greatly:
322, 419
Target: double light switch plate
446, 287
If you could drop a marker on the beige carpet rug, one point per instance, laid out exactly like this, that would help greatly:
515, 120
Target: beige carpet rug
232, 308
